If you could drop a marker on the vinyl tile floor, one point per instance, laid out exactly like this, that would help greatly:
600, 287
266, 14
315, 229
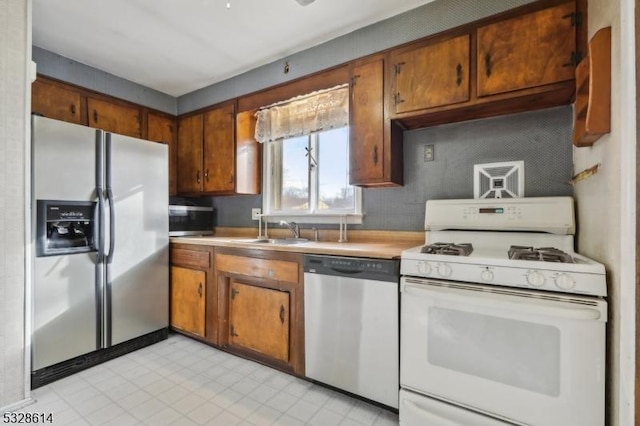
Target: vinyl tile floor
180, 381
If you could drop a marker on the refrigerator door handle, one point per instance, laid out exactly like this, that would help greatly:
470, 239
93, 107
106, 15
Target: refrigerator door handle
112, 228
100, 223
112, 213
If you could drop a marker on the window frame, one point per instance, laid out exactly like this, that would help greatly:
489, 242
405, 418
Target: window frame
272, 181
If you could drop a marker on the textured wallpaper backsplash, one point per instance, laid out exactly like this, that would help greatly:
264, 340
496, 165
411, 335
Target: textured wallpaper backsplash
542, 139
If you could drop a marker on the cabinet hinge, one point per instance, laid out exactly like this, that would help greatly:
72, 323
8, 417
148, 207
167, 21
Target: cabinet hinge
234, 293
576, 18
232, 331
398, 67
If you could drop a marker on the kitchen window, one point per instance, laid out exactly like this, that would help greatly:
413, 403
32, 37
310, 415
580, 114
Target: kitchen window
306, 161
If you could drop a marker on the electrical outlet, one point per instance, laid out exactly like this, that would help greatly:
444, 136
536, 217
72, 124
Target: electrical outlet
428, 153
255, 213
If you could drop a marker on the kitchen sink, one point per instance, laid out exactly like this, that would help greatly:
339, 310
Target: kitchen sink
274, 241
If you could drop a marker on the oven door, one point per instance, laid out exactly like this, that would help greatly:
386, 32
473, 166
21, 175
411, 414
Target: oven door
530, 358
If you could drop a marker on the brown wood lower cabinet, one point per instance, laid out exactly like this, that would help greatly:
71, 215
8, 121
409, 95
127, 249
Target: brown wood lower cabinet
260, 305
194, 296
188, 300
259, 319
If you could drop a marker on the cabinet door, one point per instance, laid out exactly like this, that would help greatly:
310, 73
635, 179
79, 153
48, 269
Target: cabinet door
219, 149
162, 129
527, 51
53, 101
190, 154
188, 300
375, 143
433, 75
366, 137
121, 119
259, 319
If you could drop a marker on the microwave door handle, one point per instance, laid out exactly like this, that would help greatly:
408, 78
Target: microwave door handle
429, 417
492, 300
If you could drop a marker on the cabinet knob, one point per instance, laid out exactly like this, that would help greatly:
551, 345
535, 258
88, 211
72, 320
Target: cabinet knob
197, 176
282, 314
73, 109
459, 74
95, 115
375, 154
200, 290
271, 273
206, 175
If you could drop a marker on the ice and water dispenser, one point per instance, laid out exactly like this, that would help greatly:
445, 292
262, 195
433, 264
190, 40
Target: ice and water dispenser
65, 227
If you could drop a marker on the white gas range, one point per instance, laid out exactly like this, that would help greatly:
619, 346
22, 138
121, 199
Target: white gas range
501, 321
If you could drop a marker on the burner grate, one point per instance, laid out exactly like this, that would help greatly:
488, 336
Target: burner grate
450, 249
544, 254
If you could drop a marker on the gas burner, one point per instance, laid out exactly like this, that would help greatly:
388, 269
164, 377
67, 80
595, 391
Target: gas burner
544, 254
448, 249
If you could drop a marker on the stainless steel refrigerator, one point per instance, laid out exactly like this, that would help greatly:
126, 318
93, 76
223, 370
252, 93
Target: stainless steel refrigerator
101, 247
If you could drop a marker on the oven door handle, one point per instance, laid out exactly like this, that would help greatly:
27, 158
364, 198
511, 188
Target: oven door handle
428, 416
493, 300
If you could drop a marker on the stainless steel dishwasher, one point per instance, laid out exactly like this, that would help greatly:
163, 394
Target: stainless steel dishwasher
351, 325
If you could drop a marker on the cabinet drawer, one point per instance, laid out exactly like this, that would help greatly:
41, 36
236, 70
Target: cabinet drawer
279, 270
191, 258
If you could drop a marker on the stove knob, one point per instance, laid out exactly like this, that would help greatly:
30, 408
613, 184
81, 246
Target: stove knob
486, 275
444, 270
536, 278
565, 282
424, 268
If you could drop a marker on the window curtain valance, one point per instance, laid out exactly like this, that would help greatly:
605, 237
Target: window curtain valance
302, 115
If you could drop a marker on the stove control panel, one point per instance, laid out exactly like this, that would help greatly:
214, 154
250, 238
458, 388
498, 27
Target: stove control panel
521, 277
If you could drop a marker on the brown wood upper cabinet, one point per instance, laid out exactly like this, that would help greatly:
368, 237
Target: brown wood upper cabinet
375, 144
56, 101
190, 154
219, 149
116, 118
161, 128
209, 159
431, 75
527, 51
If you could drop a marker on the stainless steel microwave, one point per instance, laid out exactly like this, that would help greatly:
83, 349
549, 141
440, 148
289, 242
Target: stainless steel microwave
190, 220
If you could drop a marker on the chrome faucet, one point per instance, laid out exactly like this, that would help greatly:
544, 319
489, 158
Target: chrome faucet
293, 227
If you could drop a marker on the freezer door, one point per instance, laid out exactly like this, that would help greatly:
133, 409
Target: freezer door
137, 299
65, 291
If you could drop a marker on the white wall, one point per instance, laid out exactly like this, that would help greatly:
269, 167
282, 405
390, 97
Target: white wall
606, 205
15, 40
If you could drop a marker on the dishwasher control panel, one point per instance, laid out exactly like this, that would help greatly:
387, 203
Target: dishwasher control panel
377, 269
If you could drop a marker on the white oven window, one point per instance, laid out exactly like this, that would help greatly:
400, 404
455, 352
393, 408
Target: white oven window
517, 353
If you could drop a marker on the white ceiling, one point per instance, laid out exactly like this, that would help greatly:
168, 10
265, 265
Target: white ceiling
178, 46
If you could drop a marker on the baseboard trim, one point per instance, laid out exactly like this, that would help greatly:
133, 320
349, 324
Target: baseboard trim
66, 368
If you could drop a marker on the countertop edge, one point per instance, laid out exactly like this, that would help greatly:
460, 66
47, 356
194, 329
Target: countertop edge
353, 249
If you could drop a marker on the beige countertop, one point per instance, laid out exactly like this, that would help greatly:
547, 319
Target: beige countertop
385, 246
